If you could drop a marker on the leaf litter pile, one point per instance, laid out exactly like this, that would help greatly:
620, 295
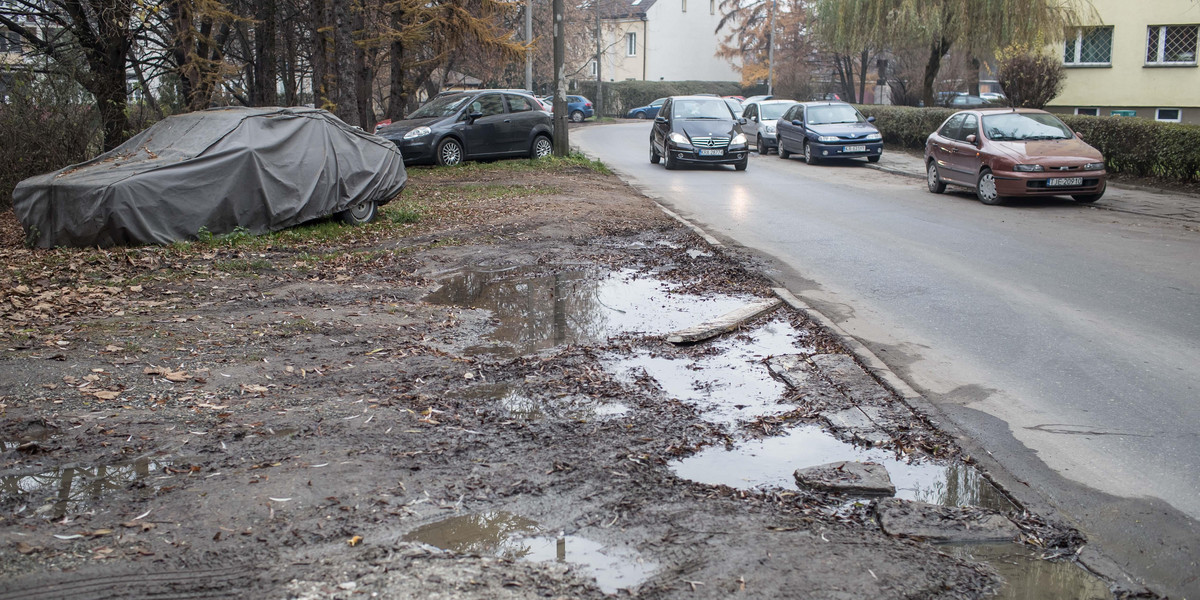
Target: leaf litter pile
288, 415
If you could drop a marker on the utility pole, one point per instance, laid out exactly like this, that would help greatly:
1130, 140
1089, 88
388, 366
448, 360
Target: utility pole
771, 53
599, 69
562, 146
529, 40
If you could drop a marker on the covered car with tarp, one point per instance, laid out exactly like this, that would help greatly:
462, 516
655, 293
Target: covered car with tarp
215, 171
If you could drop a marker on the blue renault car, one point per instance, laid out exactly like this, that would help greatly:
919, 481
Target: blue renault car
824, 130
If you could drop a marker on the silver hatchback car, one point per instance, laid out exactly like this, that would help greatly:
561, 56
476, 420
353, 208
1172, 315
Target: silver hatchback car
759, 127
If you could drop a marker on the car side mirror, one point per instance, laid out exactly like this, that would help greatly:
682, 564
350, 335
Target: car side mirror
475, 115
660, 119
870, 119
1079, 135
971, 139
742, 120
798, 122
754, 118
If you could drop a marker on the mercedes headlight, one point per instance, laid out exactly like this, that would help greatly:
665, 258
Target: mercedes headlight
416, 133
827, 138
679, 138
1028, 168
738, 139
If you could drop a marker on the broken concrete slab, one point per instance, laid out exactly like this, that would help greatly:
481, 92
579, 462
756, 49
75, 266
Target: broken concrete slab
857, 383
859, 424
793, 369
935, 523
847, 477
723, 323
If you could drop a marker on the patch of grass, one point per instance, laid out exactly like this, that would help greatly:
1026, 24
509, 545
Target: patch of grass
515, 166
402, 213
242, 265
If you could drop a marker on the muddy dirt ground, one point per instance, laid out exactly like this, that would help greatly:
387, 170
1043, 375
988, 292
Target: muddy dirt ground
480, 404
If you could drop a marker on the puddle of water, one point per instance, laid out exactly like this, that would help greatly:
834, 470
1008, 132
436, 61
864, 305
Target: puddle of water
536, 312
727, 385
772, 462
71, 490
526, 408
504, 534
1027, 578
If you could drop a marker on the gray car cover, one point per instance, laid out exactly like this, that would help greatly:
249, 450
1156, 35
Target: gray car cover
261, 169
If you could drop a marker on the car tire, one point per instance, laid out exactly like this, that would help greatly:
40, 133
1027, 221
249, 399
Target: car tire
874, 159
669, 161
576, 116
1087, 198
654, 155
781, 151
985, 189
809, 159
449, 152
934, 179
361, 213
762, 150
742, 164
643, 115
541, 147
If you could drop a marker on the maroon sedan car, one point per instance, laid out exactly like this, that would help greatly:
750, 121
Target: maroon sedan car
1013, 152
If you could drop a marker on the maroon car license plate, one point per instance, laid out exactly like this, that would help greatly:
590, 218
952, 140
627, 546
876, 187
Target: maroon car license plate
1064, 182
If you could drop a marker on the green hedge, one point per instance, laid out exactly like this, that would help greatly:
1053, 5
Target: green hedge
1132, 146
622, 96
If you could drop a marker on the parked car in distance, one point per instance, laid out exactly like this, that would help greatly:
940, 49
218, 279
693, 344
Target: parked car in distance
993, 97
760, 122
471, 125
579, 108
822, 130
966, 101
759, 98
647, 112
1010, 152
735, 107
698, 130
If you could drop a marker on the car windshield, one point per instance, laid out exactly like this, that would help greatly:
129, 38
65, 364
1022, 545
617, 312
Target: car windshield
834, 113
440, 107
772, 112
701, 109
1009, 127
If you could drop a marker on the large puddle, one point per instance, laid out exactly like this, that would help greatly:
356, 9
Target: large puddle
574, 407
1028, 578
503, 534
536, 312
70, 490
771, 462
730, 384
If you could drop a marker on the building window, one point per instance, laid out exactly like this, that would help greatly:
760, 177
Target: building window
1171, 45
712, 7
1091, 112
592, 68
1172, 115
1089, 46
684, 5
631, 44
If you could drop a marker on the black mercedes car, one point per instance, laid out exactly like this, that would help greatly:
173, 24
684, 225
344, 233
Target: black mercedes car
478, 124
697, 130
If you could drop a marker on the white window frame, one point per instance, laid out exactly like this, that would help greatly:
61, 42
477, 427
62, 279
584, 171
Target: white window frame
1095, 113
1078, 44
631, 43
592, 67
1162, 43
1178, 115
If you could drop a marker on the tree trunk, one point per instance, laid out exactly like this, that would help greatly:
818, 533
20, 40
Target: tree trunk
936, 51
973, 78
345, 94
862, 78
320, 55
364, 76
265, 73
397, 95
289, 66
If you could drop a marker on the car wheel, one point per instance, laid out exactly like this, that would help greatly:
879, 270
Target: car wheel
985, 189
758, 143
654, 155
361, 213
577, 116
643, 115
669, 161
808, 155
874, 159
933, 179
741, 166
541, 148
783, 152
1087, 198
449, 152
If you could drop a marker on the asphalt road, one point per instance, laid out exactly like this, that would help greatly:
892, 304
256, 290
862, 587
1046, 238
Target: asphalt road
1063, 339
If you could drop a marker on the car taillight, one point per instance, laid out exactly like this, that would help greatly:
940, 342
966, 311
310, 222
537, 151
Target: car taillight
588, 104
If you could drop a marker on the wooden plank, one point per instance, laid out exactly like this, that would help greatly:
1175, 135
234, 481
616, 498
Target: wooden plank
724, 323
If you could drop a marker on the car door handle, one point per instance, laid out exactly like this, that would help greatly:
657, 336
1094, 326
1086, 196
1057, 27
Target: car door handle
508, 120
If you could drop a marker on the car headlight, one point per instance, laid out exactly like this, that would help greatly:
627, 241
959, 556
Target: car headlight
769, 129
873, 137
416, 133
1028, 168
1094, 166
827, 138
738, 139
679, 138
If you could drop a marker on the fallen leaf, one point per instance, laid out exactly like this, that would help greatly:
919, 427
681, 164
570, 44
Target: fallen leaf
25, 548
106, 394
354, 541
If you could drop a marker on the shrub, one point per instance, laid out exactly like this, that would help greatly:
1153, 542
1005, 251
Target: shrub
905, 126
47, 124
1030, 78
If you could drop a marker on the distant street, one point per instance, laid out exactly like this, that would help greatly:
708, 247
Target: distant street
1064, 339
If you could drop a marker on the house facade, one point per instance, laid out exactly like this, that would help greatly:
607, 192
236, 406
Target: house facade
1134, 59
661, 40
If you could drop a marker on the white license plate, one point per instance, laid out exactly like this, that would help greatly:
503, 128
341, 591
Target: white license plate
1064, 182
712, 152
854, 149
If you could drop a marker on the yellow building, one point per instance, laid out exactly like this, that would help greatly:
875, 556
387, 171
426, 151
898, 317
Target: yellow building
1134, 59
